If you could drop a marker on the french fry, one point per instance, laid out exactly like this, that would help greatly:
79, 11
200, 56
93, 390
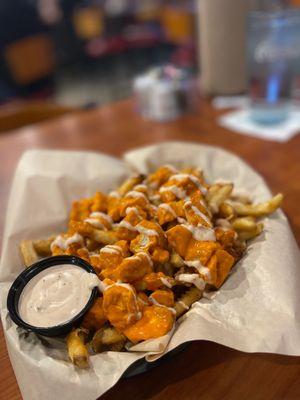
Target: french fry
260, 209
217, 194
176, 260
184, 303
246, 235
28, 252
226, 211
105, 338
77, 350
244, 199
244, 224
116, 346
43, 247
130, 183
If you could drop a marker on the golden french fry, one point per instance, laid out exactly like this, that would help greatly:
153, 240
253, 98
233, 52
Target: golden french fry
105, 337
176, 260
244, 224
116, 346
246, 235
76, 347
28, 252
184, 303
226, 211
43, 247
130, 183
240, 198
217, 194
260, 209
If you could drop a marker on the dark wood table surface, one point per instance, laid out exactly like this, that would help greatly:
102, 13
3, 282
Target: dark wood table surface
204, 370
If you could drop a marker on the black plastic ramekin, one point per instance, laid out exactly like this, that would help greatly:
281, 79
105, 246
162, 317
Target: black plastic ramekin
22, 280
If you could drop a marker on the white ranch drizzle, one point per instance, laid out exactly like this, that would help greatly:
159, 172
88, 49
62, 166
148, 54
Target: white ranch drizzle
127, 225
201, 201
134, 209
193, 279
197, 212
134, 193
200, 268
183, 305
155, 197
168, 208
93, 254
146, 231
193, 178
115, 194
165, 282
64, 243
104, 287
201, 233
96, 223
141, 186
156, 303
111, 248
171, 168
138, 256
98, 214
178, 192
147, 256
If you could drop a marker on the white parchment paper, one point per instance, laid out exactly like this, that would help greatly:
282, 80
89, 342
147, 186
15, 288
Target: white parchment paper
256, 310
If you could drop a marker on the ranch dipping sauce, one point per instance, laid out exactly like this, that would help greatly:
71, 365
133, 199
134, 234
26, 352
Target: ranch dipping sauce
56, 295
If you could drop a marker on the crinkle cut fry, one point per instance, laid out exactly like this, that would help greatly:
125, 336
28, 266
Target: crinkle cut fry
77, 350
187, 299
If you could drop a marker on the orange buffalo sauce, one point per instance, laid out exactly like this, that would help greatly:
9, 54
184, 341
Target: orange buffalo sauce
155, 322
120, 305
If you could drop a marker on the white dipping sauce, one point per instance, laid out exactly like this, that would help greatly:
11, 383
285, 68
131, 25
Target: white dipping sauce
56, 295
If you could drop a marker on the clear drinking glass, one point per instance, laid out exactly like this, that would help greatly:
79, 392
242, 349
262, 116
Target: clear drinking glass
273, 62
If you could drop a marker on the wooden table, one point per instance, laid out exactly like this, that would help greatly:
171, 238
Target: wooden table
204, 370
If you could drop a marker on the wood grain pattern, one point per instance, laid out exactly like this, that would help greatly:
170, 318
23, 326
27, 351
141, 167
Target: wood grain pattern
204, 370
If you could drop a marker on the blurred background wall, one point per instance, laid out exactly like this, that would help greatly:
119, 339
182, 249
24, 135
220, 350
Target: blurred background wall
81, 52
